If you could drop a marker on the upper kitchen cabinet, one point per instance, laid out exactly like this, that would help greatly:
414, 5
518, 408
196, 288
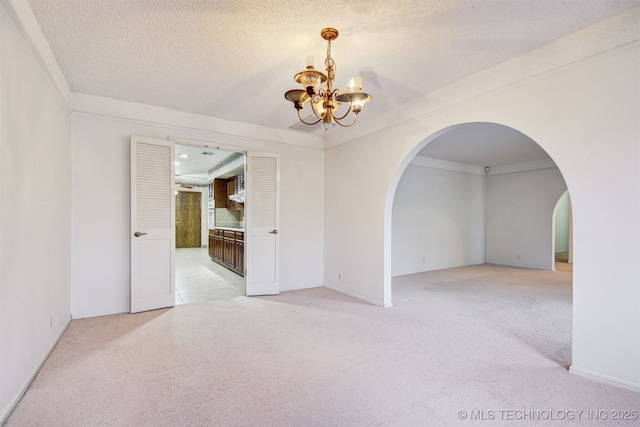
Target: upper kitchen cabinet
231, 190
220, 193
229, 193
235, 192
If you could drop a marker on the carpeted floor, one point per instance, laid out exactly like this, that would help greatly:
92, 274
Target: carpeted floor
458, 347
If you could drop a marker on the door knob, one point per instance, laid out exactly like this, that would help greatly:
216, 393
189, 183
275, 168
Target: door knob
138, 234
274, 232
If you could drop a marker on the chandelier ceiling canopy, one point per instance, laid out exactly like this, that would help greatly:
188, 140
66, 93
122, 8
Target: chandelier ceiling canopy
325, 101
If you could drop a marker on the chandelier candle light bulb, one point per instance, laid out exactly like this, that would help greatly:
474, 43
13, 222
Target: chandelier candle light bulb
325, 101
354, 83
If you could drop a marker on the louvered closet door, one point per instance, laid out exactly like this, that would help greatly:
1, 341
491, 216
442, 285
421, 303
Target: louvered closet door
152, 224
262, 212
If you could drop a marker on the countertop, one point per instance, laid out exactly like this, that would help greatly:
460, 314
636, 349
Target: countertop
227, 228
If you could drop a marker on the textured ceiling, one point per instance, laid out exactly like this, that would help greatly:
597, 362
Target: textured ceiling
193, 163
234, 59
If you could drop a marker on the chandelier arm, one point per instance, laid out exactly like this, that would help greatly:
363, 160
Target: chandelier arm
315, 113
307, 123
355, 117
345, 114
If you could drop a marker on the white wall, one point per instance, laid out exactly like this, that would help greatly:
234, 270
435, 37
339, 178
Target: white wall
446, 218
520, 217
585, 115
35, 212
101, 164
438, 220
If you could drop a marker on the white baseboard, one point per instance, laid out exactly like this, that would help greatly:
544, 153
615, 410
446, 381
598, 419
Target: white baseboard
354, 295
617, 382
7, 411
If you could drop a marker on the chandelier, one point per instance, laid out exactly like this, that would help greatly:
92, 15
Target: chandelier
325, 101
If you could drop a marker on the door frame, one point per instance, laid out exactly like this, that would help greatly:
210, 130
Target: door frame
235, 149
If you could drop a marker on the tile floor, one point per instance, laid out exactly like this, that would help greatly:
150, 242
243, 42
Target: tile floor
199, 279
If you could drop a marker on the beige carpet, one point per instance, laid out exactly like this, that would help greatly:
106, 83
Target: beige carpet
480, 342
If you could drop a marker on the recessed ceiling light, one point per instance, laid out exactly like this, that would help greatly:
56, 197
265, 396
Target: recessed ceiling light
182, 156
176, 163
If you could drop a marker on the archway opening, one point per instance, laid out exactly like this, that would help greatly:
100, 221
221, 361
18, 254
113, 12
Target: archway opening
563, 234
479, 195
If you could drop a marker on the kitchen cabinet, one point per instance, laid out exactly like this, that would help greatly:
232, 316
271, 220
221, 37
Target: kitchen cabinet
226, 247
223, 188
239, 260
231, 187
220, 193
216, 242
229, 255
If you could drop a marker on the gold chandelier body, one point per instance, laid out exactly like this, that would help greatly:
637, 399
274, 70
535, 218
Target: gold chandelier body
326, 100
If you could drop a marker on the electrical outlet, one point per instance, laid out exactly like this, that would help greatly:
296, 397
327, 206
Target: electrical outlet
339, 276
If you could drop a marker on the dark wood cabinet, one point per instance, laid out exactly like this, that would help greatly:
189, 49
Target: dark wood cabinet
218, 244
229, 255
231, 190
231, 187
239, 262
226, 247
223, 188
220, 193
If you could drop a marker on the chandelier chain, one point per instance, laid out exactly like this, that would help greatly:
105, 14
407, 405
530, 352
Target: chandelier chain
331, 66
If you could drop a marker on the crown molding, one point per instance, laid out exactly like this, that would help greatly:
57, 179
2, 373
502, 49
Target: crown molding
428, 162
522, 167
189, 126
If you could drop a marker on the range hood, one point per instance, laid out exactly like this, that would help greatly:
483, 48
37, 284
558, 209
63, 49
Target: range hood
238, 197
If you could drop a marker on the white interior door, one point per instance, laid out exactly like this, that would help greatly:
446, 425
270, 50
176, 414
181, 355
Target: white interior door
262, 213
152, 224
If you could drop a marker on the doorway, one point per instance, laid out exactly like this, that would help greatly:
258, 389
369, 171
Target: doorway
197, 277
188, 219
154, 164
477, 193
563, 234
477, 197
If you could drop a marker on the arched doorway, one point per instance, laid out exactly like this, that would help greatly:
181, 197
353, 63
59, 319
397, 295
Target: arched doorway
471, 202
563, 234
470, 194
